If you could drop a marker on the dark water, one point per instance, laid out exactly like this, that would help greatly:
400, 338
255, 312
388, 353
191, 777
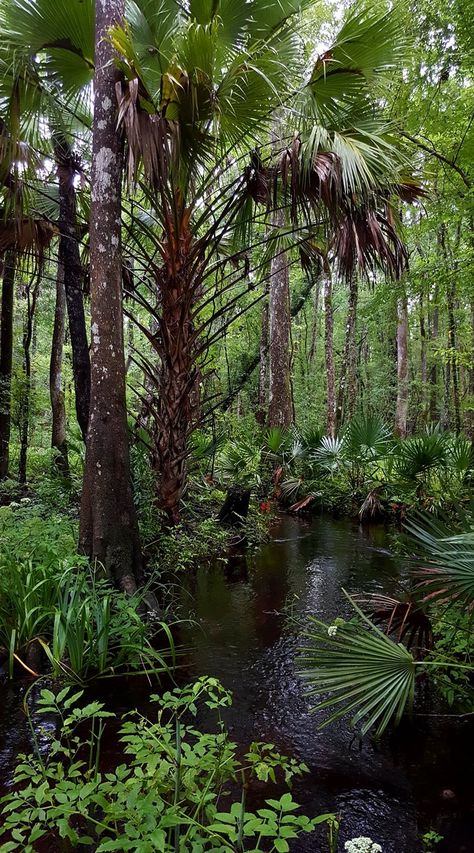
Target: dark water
391, 792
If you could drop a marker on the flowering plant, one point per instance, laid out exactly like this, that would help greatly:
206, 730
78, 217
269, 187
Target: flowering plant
362, 844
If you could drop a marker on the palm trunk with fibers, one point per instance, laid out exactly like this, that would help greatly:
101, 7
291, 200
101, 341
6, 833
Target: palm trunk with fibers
347, 387
329, 355
58, 409
262, 405
280, 402
6, 359
31, 294
175, 405
108, 522
73, 280
401, 412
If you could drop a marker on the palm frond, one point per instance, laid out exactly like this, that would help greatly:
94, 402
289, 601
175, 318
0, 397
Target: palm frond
362, 669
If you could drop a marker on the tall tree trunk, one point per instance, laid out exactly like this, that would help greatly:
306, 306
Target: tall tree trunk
423, 362
434, 331
58, 409
280, 402
6, 360
108, 523
329, 356
451, 286
73, 280
347, 387
470, 412
262, 405
315, 325
401, 413
32, 291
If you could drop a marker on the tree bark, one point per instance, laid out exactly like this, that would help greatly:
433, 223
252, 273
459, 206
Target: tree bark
6, 360
315, 325
401, 412
434, 405
329, 356
32, 291
469, 426
347, 387
56, 391
452, 335
262, 405
280, 402
177, 379
108, 522
73, 280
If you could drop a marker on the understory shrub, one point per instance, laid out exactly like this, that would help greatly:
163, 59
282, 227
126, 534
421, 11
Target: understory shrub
176, 789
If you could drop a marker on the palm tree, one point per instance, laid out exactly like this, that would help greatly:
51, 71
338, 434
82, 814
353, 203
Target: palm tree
200, 91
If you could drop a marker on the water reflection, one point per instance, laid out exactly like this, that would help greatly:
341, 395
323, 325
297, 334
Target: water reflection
387, 792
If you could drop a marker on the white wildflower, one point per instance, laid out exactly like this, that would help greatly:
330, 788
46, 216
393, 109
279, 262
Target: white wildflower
362, 844
332, 630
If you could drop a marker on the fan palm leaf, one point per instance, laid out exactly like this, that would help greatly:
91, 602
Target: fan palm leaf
448, 571
364, 671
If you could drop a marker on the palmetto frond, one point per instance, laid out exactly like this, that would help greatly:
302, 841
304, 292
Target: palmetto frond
447, 572
367, 437
364, 671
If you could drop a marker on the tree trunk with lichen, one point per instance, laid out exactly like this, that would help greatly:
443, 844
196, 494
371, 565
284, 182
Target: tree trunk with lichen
6, 360
56, 391
73, 280
108, 522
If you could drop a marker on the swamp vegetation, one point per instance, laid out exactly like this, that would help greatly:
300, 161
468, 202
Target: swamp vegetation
236, 426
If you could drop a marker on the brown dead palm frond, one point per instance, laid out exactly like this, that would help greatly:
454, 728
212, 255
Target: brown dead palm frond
365, 238
403, 617
27, 236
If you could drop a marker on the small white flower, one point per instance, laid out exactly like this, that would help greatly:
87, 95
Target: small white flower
362, 844
332, 630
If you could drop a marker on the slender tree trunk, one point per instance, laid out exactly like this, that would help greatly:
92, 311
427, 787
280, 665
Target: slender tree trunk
58, 409
401, 413
108, 522
32, 291
329, 356
262, 406
434, 404
348, 387
280, 403
280, 396
6, 360
470, 412
423, 362
315, 326
453, 351
73, 280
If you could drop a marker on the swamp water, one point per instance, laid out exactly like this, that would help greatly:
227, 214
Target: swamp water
418, 778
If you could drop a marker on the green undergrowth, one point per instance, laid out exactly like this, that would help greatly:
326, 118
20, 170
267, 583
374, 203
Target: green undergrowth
57, 614
175, 787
